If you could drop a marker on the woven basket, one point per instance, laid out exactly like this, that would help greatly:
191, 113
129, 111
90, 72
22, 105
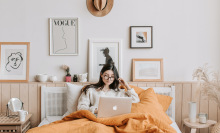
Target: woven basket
216, 128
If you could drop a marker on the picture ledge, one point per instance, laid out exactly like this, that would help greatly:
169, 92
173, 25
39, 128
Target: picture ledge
130, 82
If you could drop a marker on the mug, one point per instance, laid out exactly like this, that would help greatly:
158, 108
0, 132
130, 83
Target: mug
22, 114
82, 77
41, 77
53, 78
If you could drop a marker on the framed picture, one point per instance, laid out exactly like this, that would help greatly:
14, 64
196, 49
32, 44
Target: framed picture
102, 51
147, 70
64, 36
14, 61
141, 36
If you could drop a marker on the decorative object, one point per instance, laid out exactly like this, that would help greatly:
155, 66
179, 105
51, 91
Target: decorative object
67, 69
101, 52
14, 61
196, 125
147, 69
209, 86
41, 77
141, 36
83, 77
99, 8
53, 78
68, 78
202, 118
14, 125
192, 112
75, 79
14, 104
64, 36
68, 75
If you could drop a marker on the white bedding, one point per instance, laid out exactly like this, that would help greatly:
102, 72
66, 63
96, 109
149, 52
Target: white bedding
51, 119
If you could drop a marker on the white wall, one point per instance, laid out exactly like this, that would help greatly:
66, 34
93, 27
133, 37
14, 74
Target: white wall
186, 33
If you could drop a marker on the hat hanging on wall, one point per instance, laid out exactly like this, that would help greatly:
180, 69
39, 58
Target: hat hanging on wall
99, 8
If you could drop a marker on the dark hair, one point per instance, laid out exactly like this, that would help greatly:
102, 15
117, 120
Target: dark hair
101, 84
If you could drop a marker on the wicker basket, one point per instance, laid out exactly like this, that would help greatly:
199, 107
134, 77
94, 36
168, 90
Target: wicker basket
216, 128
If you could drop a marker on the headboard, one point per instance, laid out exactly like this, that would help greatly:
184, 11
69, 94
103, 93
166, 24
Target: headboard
53, 100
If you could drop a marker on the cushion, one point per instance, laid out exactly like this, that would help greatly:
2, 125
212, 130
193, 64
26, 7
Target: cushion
149, 104
73, 94
164, 100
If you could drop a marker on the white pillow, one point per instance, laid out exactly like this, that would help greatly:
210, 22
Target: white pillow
73, 93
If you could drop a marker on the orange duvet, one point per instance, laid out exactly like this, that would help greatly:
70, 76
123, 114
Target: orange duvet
84, 121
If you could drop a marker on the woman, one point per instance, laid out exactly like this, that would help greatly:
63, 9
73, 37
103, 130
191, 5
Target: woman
107, 86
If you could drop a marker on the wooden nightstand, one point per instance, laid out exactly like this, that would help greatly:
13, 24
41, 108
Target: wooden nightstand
8, 125
196, 125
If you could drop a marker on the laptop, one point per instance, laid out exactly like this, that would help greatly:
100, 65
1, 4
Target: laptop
113, 106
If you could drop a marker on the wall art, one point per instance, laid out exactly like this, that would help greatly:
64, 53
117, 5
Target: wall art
141, 36
147, 69
64, 36
101, 52
14, 61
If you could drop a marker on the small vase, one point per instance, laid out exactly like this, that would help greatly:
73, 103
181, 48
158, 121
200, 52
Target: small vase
68, 78
216, 128
192, 112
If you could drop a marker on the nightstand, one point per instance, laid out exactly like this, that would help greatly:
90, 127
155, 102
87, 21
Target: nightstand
196, 125
14, 124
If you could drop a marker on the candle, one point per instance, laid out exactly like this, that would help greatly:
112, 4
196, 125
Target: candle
202, 118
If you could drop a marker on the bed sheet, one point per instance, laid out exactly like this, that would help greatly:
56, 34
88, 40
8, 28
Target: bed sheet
51, 119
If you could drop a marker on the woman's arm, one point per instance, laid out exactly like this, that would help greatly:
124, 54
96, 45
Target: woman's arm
84, 102
130, 91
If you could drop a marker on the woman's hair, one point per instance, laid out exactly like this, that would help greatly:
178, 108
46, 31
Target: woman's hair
100, 84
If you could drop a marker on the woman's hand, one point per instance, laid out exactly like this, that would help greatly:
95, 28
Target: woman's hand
124, 83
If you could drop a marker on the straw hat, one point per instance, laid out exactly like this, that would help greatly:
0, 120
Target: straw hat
99, 8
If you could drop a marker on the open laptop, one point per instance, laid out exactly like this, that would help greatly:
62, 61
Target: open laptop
113, 106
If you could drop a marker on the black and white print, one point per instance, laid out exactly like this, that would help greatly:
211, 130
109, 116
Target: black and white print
14, 62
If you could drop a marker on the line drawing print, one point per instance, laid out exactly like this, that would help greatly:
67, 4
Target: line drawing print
64, 41
14, 61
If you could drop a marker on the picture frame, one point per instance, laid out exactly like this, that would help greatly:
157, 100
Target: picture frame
141, 36
147, 69
102, 51
14, 61
64, 36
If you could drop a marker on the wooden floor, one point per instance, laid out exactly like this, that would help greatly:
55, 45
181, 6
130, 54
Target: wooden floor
29, 93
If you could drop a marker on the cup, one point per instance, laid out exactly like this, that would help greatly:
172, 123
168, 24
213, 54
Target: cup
41, 77
53, 78
22, 114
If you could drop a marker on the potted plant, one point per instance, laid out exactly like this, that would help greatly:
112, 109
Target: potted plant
209, 87
68, 75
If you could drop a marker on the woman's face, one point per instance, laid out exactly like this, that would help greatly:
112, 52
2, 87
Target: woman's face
108, 77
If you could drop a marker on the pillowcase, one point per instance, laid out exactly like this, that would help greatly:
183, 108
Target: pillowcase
164, 100
73, 94
149, 104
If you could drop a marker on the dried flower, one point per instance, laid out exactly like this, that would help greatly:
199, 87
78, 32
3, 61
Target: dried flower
210, 85
67, 69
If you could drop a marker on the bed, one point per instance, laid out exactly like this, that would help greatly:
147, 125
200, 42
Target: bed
54, 99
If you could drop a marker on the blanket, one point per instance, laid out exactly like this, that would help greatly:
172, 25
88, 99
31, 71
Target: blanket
84, 121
